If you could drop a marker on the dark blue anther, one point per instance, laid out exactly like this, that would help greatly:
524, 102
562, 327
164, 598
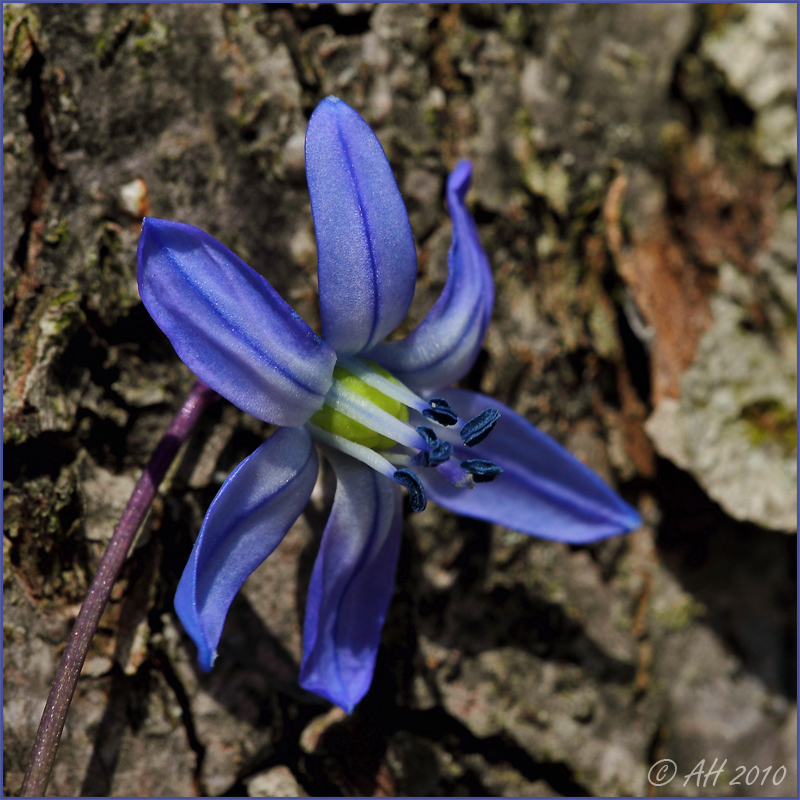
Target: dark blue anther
439, 453
482, 471
479, 427
416, 491
440, 412
427, 434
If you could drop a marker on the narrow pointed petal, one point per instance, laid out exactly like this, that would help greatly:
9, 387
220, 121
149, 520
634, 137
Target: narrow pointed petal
230, 327
543, 489
351, 585
256, 506
367, 258
446, 343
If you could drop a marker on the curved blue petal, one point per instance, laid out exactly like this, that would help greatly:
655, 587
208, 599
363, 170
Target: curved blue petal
367, 261
230, 327
257, 504
446, 343
543, 491
352, 584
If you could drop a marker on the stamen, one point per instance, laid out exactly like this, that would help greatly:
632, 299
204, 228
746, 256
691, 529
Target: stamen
353, 405
440, 412
479, 427
365, 455
427, 434
400, 459
416, 491
397, 391
482, 471
440, 453
405, 477
364, 407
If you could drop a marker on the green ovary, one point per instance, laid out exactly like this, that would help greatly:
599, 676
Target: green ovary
337, 423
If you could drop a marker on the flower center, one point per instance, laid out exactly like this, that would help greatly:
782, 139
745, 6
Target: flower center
366, 415
331, 419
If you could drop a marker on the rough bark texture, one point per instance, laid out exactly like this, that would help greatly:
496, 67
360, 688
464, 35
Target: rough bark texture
634, 188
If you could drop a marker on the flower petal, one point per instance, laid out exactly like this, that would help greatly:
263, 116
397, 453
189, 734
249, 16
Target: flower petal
367, 258
543, 491
230, 327
446, 343
352, 584
257, 504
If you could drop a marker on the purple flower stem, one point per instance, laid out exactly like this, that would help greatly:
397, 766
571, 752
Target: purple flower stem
69, 670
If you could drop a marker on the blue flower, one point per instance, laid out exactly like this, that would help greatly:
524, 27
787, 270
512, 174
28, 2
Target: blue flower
379, 411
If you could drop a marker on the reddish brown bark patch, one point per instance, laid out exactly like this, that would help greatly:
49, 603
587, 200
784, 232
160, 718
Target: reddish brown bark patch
706, 214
